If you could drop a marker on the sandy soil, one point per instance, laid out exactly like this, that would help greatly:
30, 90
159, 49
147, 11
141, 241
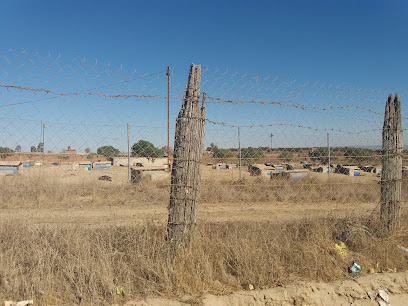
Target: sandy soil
84, 213
348, 292
220, 212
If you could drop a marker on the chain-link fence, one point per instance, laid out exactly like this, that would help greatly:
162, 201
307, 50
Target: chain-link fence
68, 128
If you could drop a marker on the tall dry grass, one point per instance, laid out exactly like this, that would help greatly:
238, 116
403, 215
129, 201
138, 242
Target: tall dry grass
22, 191
76, 264
257, 189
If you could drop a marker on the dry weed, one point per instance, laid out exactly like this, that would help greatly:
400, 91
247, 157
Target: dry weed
76, 264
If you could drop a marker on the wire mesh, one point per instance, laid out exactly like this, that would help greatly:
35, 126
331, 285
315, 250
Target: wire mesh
267, 141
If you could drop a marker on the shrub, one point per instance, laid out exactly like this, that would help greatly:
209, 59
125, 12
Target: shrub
5, 150
222, 153
251, 153
91, 155
358, 154
322, 154
286, 156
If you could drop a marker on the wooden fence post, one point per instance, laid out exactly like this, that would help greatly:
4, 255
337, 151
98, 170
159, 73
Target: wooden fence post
391, 176
186, 171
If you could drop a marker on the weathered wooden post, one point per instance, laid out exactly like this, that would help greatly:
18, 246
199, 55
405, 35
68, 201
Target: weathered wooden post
391, 176
186, 171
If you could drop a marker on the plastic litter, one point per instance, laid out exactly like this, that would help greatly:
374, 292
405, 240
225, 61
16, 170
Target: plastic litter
355, 268
21, 303
341, 248
384, 295
119, 291
405, 250
372, 295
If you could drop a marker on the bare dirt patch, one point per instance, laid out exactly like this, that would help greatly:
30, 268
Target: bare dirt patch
348, 292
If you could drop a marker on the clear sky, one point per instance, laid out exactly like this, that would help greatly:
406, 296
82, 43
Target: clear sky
360, 43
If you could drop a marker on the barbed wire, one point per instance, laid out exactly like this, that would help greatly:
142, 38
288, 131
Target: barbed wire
296, 125
80, 93
224, 124
88, 107
289, 103
294, 104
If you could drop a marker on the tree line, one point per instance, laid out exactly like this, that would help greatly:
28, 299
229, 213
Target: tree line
321, 154
144, 148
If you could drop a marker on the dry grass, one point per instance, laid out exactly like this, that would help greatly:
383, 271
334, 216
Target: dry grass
76, 264
20, 191
47, 191
310, 191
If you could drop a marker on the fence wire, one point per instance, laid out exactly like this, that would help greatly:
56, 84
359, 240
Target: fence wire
66, 124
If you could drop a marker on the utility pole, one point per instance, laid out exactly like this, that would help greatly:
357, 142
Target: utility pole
41, 131
239, 150
271, 135
328, 150
43, 144
128, 142
168, 117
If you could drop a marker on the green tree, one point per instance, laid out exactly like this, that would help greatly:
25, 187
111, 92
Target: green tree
145, 148
251, 153
40, 147
5, 150
33, 149
87, 150
18, 148
223, 153
91, 155
286, 156
108, 151
322, 155
213, 148
358, 154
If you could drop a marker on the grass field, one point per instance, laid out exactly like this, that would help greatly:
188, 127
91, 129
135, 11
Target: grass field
68, 237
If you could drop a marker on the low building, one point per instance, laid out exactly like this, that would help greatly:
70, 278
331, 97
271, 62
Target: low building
137, 174
10, 167
289, 174
87, 165
348, 170
27, 164
222, 166
142, 162
101, 165
70, 151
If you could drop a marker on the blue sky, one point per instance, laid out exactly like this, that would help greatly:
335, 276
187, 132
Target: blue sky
353, 41
360, 43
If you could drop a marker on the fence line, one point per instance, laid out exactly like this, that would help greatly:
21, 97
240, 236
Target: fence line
88, 109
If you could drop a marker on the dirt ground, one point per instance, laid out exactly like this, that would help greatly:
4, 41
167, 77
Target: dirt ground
347, 292
216, 206
66, 199
124, 215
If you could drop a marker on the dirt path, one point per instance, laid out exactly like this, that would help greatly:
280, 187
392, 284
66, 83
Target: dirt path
348, 292
220, 212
